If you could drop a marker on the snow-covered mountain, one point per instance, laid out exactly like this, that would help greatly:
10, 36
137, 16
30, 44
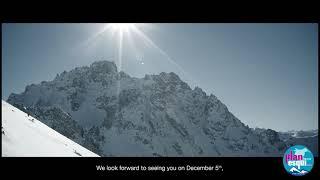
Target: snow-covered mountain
299, 134
25, 136
114, 114
306, 138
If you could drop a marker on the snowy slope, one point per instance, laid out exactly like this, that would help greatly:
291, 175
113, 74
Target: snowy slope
23, 135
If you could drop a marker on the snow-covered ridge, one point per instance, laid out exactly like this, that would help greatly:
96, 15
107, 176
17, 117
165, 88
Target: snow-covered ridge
301, 134
25, 136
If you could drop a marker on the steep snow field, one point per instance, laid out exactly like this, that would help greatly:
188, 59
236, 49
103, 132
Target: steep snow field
25, 136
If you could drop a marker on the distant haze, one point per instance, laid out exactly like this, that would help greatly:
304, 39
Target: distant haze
266, 74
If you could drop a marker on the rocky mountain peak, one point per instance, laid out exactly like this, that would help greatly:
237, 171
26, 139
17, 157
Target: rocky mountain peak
104, 66
114, 114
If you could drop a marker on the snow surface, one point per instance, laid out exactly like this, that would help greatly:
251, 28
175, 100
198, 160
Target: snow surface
25, 136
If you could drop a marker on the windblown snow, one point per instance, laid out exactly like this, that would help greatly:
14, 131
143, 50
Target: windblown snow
25, 136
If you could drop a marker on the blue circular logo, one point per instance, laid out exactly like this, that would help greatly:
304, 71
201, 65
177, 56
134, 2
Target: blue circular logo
298, 160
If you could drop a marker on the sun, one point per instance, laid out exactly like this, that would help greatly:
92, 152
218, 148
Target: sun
128, 32
122, 27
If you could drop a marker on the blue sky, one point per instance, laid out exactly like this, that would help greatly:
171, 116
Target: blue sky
266, 74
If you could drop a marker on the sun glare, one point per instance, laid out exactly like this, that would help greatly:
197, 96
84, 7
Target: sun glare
122, 27
124, 32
